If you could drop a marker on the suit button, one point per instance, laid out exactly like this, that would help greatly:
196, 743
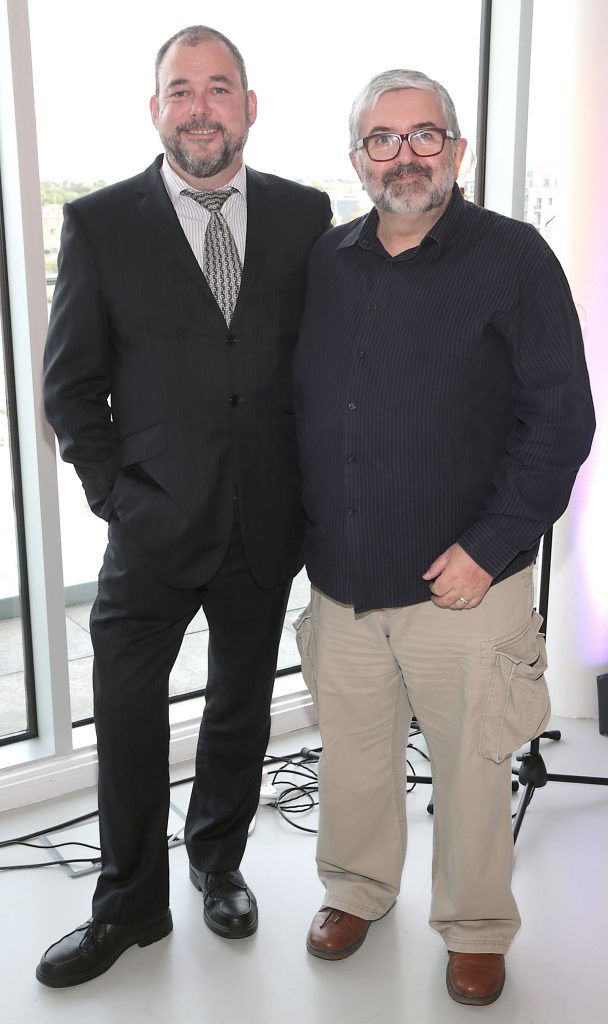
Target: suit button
230, 339
352, 406
234, 399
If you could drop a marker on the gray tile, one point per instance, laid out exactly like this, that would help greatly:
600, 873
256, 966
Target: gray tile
79, 640
79, 613
288, 651
11, 646
300, 591
190, 669
291, 617
189, 673
81, 687
13, 709
198, 622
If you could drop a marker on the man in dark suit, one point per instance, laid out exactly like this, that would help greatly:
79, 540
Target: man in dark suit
168, 383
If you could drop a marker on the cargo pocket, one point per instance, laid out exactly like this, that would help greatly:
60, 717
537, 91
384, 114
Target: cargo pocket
306, 646
518, 706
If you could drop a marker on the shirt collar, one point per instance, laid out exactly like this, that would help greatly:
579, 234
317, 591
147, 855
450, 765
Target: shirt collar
175, 185
364, 230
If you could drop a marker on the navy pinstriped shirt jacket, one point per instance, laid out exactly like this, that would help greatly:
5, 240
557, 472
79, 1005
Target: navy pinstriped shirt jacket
442, 396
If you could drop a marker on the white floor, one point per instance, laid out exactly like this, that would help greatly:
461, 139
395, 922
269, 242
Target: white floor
557, 968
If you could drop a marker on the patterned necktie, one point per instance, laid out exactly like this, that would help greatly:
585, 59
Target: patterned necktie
221, 260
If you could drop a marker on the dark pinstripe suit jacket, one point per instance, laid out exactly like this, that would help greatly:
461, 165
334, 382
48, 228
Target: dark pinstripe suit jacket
195, 409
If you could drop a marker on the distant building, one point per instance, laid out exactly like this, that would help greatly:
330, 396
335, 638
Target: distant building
540, 198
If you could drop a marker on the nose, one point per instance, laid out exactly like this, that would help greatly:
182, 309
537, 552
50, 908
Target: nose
200, 106
406, 152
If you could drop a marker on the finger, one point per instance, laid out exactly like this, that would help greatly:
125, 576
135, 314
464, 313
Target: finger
436, 567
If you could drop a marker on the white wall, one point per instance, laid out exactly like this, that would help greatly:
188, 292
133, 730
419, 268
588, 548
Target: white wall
571, 88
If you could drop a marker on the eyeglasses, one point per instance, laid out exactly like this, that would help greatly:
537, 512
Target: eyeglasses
422, 142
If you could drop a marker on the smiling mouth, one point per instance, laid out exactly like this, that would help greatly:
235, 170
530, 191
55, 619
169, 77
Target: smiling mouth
201, 131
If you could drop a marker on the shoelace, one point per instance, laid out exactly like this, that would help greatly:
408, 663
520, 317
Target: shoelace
330, 914
95, 930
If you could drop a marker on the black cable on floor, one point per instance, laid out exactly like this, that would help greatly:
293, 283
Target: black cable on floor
301, 763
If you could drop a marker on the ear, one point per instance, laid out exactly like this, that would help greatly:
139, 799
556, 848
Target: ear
154, 110
354, 159
252, 107
460, 148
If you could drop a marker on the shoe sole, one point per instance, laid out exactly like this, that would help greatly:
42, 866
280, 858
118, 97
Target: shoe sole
153, 933
338, 954
224, 931
462, 997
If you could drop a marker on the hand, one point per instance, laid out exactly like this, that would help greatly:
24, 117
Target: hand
454, 575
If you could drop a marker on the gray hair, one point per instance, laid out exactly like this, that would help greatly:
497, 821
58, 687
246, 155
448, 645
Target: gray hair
398, 79
192, 36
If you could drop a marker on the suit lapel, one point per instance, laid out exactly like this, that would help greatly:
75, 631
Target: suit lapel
258, 245
157, 209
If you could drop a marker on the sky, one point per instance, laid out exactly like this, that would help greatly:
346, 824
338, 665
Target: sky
93, 75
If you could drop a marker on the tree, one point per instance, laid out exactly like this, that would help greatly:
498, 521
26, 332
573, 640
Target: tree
65, 191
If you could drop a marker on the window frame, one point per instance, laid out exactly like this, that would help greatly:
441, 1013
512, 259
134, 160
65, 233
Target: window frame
52, 759
31, 729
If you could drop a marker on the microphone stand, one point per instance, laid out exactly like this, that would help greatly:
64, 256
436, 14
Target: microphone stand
532, 773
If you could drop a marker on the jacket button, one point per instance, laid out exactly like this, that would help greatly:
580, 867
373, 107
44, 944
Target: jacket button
234, 399
230, 339
352, 406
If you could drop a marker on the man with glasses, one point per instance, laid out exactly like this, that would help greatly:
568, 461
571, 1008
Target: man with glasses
443, 410
168, 382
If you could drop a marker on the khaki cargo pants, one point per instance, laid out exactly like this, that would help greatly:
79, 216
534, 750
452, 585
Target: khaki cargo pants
474, 679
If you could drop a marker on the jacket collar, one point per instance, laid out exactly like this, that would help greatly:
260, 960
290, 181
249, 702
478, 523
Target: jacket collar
364, 230
157, 208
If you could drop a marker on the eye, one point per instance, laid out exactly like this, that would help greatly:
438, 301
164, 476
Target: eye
219, 91
426, 137
179, 93
384, 141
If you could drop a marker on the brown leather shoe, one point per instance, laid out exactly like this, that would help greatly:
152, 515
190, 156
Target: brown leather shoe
334, 934
475, 978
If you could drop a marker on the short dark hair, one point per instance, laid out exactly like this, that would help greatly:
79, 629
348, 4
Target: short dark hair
192, 36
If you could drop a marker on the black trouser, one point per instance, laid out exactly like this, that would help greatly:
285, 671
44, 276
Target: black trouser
137, 626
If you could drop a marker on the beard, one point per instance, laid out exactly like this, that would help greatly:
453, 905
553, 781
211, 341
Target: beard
204, 165
397, 191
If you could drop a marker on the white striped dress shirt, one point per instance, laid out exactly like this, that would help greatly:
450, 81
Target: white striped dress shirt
194, 218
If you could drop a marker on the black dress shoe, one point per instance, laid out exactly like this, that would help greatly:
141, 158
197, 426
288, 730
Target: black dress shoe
93, 947
230, 908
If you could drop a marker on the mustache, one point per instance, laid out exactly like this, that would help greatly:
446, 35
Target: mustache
201, 125
405, 171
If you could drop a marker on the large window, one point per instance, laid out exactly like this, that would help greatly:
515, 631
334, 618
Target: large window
92, 81
17, 708
549, 91
94, 127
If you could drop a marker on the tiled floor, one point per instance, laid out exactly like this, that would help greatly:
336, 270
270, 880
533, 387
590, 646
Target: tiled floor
189, 672
557, 967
